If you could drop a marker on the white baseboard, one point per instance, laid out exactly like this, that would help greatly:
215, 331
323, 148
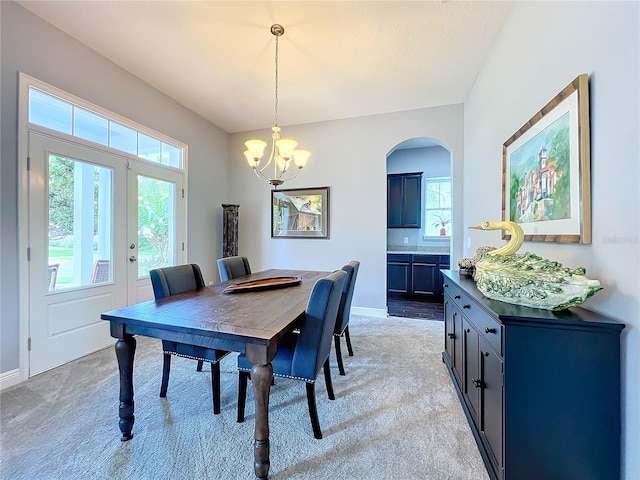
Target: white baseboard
9, 379
370, 312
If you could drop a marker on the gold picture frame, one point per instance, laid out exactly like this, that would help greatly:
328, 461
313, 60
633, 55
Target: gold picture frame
546, 170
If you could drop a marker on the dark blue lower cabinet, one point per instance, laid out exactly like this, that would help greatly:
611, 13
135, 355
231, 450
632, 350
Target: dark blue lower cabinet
415, 276
398, 275
540, 389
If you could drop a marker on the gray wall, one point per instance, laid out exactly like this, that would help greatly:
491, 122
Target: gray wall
543, 47
349, 156
38, 49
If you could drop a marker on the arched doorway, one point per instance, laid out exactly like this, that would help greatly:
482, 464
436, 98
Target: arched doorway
418, 227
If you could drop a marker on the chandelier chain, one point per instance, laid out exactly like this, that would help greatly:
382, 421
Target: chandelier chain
276, 96
283, 150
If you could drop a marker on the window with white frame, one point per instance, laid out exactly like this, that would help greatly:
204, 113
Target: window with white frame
60, 115
437, 204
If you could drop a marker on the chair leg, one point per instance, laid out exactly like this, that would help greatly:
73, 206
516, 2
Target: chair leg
166, 368
327, 380
346, 335
199, 367
313, 411
336, 339
215, 386
242, 394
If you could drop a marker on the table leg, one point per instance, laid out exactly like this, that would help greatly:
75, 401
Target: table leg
261, 376
125, 350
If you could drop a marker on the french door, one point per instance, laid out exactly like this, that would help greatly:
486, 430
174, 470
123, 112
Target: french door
98, 222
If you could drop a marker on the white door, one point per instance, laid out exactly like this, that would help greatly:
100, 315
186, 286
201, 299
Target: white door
155, 227
88, 253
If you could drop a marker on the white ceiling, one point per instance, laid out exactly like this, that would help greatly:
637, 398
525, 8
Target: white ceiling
337, 59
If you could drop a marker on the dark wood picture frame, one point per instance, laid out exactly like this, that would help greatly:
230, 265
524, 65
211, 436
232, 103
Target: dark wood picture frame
300, 213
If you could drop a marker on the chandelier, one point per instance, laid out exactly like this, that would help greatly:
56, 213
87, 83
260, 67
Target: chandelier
282, 149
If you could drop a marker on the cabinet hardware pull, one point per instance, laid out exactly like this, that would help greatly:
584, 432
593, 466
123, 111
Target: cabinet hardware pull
477, 383
466, 306
468, 330
451, 335
446, 285
489, 330
457, 297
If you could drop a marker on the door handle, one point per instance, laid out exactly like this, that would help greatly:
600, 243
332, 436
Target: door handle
132, 258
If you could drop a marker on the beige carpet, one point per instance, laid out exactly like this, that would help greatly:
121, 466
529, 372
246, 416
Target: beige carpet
396, 416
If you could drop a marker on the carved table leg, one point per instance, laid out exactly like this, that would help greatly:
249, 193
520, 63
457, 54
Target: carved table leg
125, 350
261, 376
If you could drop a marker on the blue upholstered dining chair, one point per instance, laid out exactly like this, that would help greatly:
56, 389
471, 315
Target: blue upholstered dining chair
174, 280
342, 322
302, 356
232, 267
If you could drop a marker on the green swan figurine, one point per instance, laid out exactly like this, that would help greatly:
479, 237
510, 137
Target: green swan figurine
527, 279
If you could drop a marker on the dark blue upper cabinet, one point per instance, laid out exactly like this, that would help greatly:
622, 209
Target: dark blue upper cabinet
404, 200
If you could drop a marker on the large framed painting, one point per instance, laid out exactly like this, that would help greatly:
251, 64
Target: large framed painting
546, 170
300, 213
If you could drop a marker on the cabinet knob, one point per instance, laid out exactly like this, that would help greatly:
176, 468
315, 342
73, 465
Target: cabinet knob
451, 335
489, 330
457, 297
468, 330
477, 383
466, 306
446, 285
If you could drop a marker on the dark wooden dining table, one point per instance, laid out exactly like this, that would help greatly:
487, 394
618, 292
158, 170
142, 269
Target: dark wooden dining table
250, 322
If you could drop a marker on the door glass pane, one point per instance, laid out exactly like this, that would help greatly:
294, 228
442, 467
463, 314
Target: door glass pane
156, 219
80, 218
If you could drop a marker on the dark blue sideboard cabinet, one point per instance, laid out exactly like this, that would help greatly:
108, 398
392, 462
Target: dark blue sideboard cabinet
540, 389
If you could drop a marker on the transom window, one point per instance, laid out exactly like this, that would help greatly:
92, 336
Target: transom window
437, 200
63, 116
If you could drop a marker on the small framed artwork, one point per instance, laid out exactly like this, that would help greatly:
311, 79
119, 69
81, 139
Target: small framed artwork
546, 170
300, 213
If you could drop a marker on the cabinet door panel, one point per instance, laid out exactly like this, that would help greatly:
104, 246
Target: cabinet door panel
458, 347
412, 201
471, 374
424, 278
398, 277
491, 404
394, 201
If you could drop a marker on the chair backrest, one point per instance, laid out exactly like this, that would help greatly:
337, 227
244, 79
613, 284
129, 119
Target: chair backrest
232, 267
316, 331
53, 275
100, 272
347, 295
174, 280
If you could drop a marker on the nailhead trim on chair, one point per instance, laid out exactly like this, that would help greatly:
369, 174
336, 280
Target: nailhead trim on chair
196, 358
308, 380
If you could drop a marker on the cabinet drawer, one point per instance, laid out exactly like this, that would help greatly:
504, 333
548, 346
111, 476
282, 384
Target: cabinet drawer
398, 258
488, 327
426, 259
454, 292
